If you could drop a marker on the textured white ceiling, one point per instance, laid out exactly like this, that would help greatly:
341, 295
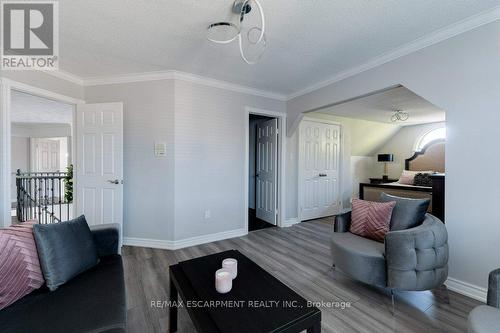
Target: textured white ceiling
32, 109
380, 107
308, 40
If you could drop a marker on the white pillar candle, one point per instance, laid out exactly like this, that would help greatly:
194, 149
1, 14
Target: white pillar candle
223, 281
231, 265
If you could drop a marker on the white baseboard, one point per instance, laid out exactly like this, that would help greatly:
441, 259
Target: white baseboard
147, 242
290, 222
182, 243
467, 289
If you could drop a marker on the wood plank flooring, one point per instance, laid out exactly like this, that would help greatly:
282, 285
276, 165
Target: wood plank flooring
300, 257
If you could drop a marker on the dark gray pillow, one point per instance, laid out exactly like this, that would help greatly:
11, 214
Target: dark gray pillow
65, 250
408, 213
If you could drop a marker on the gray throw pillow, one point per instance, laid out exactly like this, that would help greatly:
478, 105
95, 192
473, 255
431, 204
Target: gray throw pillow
408, 213
65, 249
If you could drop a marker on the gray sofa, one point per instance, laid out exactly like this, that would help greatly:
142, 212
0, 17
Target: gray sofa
93, 301
411, 259
486, 318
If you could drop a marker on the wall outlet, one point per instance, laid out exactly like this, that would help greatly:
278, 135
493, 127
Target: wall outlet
207, 214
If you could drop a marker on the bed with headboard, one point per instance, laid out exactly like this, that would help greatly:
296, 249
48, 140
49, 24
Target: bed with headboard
431, 157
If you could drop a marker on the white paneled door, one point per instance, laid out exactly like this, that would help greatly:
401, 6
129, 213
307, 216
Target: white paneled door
99, 165
267, 170
319, 170
47, 155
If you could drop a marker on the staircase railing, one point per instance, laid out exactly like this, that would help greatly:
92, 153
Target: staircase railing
42, 196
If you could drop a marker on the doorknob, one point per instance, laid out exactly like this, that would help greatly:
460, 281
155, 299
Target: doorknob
116, 181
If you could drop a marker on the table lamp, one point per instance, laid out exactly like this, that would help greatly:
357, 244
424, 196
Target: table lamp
385, 158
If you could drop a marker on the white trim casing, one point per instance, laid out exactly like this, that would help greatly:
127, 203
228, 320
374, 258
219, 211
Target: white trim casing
281, 199
182, 243
5, 199
22, 87
467, 289
6, 87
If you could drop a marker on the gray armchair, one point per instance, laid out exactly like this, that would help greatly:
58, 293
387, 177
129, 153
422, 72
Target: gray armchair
412, 259
486, 318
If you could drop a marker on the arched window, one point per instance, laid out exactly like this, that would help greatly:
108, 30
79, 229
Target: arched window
435, 134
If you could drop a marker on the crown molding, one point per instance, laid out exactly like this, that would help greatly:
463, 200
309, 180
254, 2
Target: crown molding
129, 78
60, 74
188, 77
435, 37
416, 45
183, 76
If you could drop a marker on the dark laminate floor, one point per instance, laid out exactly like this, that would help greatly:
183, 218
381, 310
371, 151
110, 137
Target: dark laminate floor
300, 257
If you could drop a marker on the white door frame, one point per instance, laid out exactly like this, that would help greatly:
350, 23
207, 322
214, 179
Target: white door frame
6, 88
281, 116
300, 172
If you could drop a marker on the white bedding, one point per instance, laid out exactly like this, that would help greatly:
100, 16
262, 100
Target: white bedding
398, 184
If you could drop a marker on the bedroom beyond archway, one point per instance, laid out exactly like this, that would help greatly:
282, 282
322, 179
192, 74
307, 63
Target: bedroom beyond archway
393, 142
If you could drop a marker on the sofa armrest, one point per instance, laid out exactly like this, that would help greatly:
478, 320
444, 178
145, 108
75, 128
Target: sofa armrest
106, 238
494, 288
417, 258
342, 222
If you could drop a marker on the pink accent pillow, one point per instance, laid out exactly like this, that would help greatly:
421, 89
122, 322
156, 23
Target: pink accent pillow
408, 177
371, 219
20, 271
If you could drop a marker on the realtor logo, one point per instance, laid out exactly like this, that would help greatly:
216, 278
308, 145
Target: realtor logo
29, 35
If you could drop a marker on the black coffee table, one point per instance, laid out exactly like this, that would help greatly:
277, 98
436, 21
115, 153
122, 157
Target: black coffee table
258, 302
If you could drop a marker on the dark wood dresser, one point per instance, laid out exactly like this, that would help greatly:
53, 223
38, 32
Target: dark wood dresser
438, 195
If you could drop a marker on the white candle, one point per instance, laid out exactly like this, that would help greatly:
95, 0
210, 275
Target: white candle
223, 281
231, 265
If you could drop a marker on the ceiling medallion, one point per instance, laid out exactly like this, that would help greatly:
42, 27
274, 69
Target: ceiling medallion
251, 39
400, 115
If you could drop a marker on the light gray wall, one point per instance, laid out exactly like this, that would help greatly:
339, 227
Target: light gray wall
362, 169
34, 130
20, 157
45, 81
210, 157
204, 165
461, 76
402, 146
148, 205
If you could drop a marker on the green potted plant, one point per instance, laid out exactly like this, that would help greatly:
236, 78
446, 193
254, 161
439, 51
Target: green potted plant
68, 184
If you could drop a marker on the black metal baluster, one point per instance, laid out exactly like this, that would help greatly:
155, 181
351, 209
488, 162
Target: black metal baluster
24, 200
46, 201
60, 200
30, 203
67, 207
52, 200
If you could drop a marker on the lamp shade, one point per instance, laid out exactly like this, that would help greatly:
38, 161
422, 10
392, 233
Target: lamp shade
385, 157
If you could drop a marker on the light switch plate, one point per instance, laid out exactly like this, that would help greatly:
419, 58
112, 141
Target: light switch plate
160, 149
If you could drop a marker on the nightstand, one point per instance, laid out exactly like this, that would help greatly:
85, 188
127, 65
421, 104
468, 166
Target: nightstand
382, 180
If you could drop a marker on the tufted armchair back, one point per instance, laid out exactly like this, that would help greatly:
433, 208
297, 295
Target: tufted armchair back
417, 258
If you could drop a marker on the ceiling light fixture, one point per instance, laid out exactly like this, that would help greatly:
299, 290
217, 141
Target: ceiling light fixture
251, 40
400, 115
